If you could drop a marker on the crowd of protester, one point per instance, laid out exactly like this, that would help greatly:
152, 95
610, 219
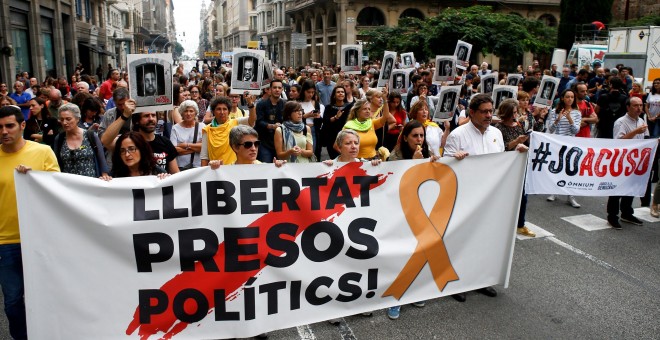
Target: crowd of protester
309, 114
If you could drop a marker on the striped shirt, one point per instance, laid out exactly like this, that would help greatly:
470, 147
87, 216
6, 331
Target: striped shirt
564, 128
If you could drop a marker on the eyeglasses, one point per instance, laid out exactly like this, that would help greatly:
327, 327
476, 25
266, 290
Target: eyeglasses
193, 92
131, 150
485, 111
249, 145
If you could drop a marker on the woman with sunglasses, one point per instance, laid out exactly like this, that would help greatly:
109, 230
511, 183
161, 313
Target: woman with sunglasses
293, 139
244, 142
78, 151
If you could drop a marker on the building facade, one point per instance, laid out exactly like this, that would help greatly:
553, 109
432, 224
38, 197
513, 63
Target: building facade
50, 37
274, 30
38, 37
328, 24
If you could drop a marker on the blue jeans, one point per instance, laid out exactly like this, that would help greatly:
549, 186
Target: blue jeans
11, 280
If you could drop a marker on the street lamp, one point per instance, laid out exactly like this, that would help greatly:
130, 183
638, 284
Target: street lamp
154, 41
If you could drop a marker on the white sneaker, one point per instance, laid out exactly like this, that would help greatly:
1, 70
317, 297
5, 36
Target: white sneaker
551, 198
573, 202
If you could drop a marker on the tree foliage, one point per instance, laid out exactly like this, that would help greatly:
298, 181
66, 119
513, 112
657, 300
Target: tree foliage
177, 50
649, 20
489, 32
580, 12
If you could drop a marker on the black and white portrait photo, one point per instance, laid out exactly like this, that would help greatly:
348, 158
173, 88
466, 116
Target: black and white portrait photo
444, 69
447, 101
399, 81
502, 92
386, 70
407, 60
488, 82
351, 59
150, 79
248, 70
514, 79
462, 54
547, 90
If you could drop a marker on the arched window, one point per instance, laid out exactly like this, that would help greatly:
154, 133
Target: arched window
332, 19
548, 20
412, 13
319, 22
370, 16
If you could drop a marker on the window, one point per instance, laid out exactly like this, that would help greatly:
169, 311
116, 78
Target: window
21, 41
79, 8
49, 51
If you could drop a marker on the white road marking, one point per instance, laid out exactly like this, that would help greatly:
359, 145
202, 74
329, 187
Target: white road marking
540, 232
645, 214
580, 252
587, 222
345, 331
306, 333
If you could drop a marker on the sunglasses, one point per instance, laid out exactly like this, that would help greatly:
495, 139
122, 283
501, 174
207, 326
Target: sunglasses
248, 145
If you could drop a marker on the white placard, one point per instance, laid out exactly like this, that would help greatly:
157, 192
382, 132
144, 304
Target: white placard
150, 81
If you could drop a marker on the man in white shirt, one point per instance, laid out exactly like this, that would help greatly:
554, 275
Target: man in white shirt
630, 126
477, 137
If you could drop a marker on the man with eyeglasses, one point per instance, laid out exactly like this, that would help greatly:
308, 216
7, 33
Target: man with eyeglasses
16, 154
630, 126
477, 137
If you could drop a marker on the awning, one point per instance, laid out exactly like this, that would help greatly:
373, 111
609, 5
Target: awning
98, 49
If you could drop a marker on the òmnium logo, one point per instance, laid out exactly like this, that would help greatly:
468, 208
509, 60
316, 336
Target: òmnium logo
561, 183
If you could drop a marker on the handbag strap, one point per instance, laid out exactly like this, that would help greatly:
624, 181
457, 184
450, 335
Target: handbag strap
192, 155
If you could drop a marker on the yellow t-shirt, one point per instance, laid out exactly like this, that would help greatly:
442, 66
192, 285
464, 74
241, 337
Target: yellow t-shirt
218, 142
37, 156
369, 140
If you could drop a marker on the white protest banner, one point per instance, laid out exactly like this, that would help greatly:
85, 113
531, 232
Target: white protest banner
150, 78
207, 254
588, 166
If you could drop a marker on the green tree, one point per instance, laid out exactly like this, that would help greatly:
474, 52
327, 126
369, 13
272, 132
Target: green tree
580, 12
177, 50
649, 20
488, 32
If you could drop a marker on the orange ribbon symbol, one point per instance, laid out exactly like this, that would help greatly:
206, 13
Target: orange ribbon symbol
428, 231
